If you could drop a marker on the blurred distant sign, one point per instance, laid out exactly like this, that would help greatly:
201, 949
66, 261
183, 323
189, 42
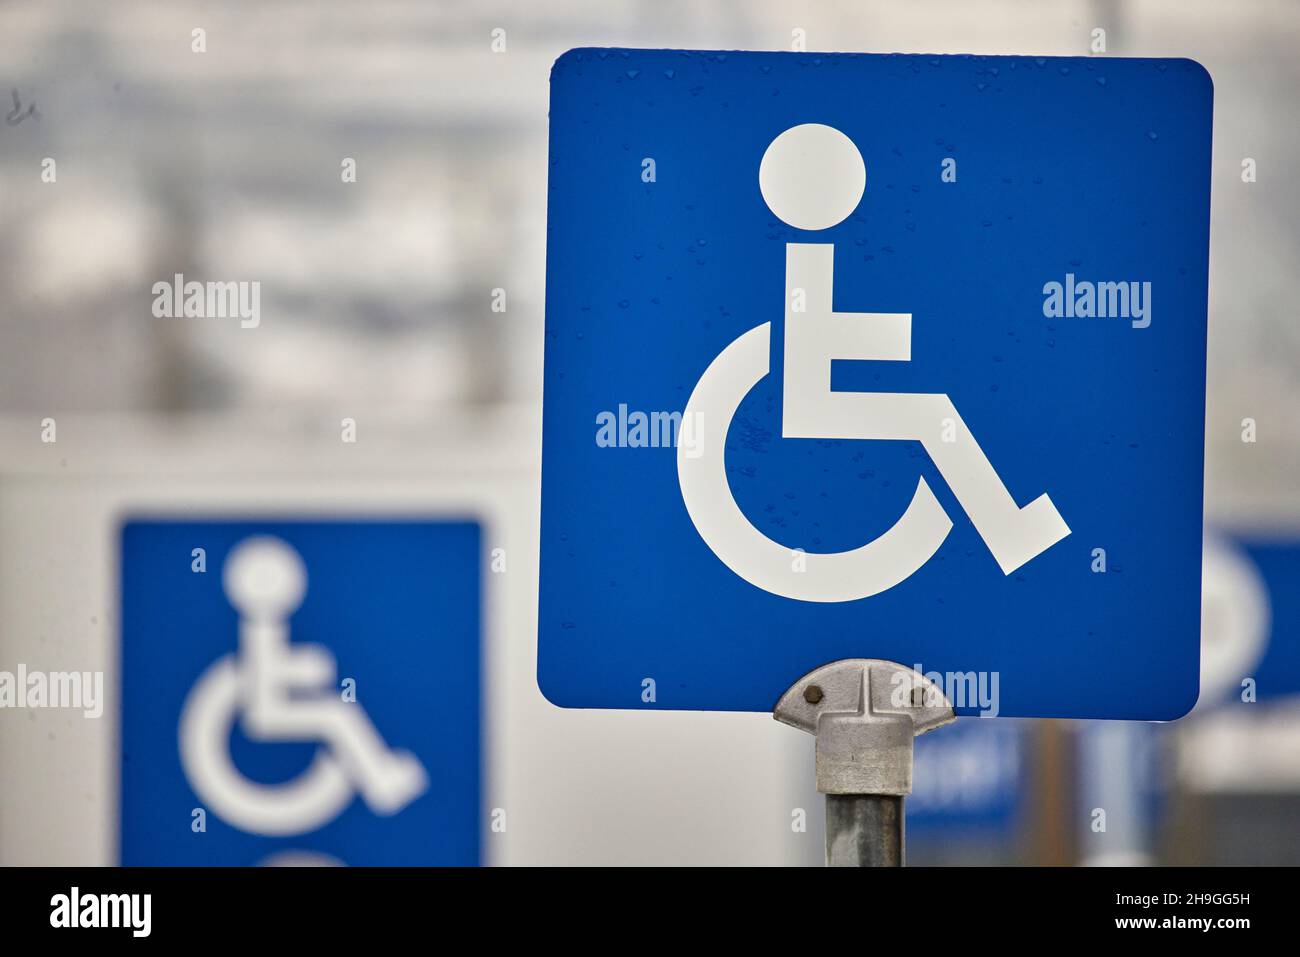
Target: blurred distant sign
1278, 564
1247, 725
774, 279
300, 692
1251, 618
968, 781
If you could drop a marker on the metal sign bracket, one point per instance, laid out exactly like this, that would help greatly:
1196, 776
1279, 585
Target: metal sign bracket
864, 713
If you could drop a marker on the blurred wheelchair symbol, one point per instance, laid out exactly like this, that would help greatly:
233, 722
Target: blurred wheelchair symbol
283, 692
812, 177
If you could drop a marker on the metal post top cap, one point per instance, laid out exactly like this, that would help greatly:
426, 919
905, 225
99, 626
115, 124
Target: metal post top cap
864, 686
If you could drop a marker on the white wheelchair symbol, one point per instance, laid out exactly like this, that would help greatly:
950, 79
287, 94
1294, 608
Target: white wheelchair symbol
812, 177
284, 692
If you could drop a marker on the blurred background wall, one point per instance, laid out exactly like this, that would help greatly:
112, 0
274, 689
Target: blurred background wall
377, 304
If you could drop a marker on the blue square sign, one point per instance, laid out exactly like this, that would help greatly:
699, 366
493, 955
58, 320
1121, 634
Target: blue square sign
300, 692
863, 356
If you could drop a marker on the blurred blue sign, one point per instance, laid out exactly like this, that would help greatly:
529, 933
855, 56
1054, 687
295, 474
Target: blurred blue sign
1251, 625
300, 692
968, 781
1279, 567
868, 356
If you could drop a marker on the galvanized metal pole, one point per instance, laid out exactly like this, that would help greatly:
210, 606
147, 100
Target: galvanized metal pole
864, 830
864, 714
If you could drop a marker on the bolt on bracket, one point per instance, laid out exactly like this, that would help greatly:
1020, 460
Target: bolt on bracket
864, 713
